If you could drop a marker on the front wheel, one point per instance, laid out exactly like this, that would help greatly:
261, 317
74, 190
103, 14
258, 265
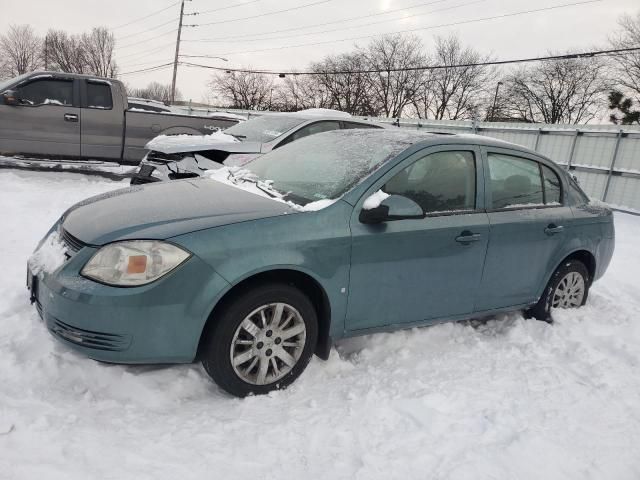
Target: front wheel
262, 341
567, 288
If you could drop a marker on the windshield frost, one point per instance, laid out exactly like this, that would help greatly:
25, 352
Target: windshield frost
326, 165
263, 129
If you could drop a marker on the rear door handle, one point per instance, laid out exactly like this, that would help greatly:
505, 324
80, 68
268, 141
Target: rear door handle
70, 117
552, 229
468, 237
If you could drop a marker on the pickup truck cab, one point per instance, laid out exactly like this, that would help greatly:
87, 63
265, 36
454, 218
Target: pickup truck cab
64, 115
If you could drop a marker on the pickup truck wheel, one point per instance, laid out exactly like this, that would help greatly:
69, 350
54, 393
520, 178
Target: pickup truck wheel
567, 288
262, 341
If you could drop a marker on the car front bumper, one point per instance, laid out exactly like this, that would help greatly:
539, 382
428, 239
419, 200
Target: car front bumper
156, 323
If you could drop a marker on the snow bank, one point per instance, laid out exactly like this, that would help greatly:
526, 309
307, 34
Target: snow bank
374, 200
504, 398
162, 142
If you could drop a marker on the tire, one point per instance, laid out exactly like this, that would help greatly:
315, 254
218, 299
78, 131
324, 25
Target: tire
572, 274
245, 331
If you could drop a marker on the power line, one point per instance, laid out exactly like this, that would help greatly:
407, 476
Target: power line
349, 19
222, 8
146, 16
147, 70
299, 7
430, 27
568, 56
364, 24
147, 30
142, 64
137, 44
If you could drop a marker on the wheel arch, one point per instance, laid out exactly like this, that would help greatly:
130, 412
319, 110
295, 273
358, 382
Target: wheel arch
581, 254
302, 280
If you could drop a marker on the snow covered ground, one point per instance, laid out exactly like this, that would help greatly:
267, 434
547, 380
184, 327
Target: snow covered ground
504, 399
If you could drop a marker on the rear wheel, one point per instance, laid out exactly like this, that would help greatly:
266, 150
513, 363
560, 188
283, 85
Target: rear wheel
262, 340
567, 288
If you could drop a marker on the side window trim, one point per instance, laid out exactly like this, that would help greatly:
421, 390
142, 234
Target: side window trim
524, 156
75, 100
84, 94
416, 156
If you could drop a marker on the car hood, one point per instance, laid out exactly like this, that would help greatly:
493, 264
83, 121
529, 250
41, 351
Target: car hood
163, 210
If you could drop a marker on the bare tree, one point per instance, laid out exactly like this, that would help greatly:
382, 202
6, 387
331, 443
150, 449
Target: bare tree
457, 90
64, 52
154, 91
298, 92
342, 77
627, 65
19, 50
395, 78
98, 49
244, 90
561, 91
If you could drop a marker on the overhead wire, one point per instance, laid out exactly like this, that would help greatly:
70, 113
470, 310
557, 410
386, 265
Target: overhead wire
260, 15
412, 30
145, 17
568, 56
204, 12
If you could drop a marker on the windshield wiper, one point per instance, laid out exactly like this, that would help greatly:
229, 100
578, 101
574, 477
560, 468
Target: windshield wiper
237, 137
272, 192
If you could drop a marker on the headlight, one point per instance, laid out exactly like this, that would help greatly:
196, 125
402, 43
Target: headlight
133, 263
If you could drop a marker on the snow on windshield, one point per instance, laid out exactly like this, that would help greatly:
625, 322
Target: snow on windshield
265, 128
326, 165
166, 141
246, 180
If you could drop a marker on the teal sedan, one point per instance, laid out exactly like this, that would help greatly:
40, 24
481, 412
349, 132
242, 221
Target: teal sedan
251, 271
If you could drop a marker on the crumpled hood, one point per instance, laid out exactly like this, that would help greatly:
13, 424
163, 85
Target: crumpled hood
165, 209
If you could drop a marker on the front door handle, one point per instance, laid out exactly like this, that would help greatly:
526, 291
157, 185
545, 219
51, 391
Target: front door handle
70, 117
552, 229
468, 237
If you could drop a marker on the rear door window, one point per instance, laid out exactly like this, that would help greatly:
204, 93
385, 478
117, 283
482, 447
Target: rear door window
552, 186
358, 125
99, 96
46, 91
514, 182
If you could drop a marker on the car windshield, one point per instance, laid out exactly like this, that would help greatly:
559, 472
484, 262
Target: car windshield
4, 84
263, 129
326, 165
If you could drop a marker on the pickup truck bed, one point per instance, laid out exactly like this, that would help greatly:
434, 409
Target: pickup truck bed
70, 116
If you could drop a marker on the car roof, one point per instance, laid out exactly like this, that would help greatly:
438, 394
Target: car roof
427, 138
321, 116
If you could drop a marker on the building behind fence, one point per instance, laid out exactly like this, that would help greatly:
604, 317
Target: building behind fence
604, 158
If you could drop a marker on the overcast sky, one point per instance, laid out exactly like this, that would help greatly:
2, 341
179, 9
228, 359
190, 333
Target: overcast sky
144, 43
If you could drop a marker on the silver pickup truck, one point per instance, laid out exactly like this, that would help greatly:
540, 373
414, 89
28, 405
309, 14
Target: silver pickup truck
63, 115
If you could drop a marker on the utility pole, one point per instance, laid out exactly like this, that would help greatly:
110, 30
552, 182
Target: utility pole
495, 101
175, 61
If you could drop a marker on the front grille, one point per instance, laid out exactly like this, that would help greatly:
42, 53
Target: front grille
165, 157
142, 180
90, 339
146, 170
72, 243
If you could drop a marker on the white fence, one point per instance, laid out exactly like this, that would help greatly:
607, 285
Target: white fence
604, 158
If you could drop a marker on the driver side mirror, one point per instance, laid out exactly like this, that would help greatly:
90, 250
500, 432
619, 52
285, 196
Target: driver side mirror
381, 207
10, 97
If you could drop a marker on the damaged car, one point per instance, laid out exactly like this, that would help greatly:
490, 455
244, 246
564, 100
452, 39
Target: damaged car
173, 157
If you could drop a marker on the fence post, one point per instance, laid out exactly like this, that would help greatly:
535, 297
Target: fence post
474, 126
573, 148
613, 163
535, 147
